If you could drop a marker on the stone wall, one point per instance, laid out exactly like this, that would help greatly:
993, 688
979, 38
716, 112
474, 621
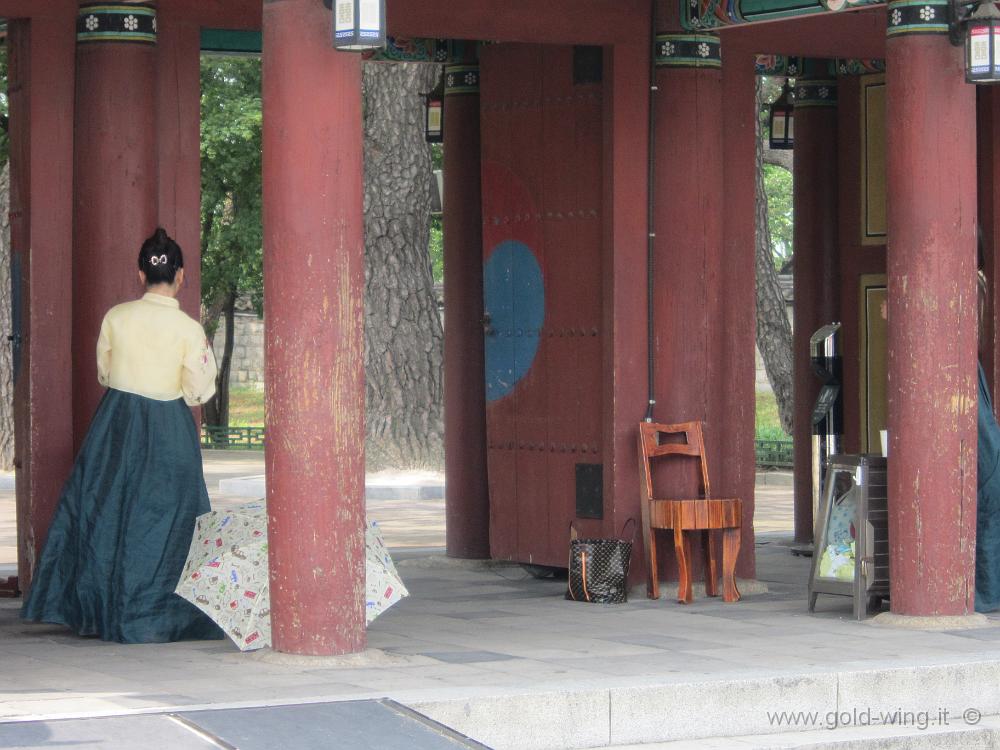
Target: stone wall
247, 370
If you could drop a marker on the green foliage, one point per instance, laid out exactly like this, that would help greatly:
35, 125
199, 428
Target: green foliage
231, 203
436, 242
4, 106
777, 180
770, 90
778, 187
436, 249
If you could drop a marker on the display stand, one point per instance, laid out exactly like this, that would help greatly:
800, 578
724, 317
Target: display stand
852, 534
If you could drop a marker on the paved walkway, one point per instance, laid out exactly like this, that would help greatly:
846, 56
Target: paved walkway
503, 658
407, 520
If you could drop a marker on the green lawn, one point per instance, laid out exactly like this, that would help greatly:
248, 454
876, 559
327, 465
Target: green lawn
768, 424
246, 409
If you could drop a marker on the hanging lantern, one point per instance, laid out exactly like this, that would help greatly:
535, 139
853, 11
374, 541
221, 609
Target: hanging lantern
434, 114
358, 25
782, 120
982, 38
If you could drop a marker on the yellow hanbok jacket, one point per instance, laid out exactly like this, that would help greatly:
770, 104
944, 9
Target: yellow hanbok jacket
152, 348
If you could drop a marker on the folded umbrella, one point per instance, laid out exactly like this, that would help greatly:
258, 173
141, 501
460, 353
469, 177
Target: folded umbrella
226, 573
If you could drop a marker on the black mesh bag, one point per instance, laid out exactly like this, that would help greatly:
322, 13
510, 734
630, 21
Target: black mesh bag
598, 568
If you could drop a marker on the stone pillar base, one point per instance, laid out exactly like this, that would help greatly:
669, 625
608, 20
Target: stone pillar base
932, 622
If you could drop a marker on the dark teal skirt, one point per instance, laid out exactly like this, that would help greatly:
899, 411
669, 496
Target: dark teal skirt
121, 533
987, 504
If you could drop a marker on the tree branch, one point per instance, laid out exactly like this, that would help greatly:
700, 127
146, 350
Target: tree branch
779, 157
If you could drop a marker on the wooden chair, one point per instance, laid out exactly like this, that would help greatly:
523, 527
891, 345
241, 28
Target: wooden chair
684, 516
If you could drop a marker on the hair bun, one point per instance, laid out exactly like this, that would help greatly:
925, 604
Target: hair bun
160, 238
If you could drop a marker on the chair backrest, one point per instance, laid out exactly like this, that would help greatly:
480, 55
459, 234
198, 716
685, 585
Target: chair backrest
652, 446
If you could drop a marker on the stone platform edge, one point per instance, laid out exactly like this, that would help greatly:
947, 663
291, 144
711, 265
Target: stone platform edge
965, 693
650, 710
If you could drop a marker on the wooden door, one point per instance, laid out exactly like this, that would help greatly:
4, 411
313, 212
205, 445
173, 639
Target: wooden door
542, 136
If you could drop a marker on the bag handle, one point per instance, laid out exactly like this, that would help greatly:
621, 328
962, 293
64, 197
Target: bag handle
573, 535
635, 528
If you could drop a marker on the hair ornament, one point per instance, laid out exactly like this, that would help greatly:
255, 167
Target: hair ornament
157, 260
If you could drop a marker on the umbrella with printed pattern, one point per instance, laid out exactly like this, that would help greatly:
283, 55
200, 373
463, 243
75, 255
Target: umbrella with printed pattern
226, 573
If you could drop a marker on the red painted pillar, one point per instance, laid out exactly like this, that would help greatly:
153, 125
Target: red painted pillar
114, 178
178, 118
313, 355
734, 298
467, 501
41, 80
688, 250
626, 135
931, 178
817, 287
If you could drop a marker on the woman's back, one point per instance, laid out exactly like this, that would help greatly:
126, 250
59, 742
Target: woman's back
152, 348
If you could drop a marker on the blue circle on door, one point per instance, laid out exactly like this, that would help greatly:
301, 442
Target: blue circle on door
514, 298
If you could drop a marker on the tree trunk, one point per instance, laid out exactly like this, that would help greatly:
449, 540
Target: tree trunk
6, 325
403, 333
216, 410
774, 332
210, 315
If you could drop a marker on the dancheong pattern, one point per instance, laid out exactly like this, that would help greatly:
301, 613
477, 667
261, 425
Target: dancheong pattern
116, 22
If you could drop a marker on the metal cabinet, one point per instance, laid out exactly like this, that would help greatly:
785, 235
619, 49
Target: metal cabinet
851, 552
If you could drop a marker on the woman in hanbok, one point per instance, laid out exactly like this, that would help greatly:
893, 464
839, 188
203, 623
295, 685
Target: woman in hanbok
988, 486
123, 527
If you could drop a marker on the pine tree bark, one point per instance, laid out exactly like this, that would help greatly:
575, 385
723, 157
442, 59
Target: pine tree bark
6, 326
774, 332
403, 332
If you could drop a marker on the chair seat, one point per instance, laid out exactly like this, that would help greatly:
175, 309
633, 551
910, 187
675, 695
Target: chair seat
695, 514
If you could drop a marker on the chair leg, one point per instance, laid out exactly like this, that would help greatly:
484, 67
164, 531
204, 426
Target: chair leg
683, 549
711, 563
652, 576
730, 549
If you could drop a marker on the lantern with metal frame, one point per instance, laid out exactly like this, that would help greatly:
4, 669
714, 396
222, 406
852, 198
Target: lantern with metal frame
977, 25
358, 25
434, 113
782, 120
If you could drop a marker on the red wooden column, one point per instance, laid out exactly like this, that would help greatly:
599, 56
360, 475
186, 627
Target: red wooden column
42, 60
931, 178
688, 250
817, 287
314, 368
732, 353
114, 178
626, 135
467, 501
178, 117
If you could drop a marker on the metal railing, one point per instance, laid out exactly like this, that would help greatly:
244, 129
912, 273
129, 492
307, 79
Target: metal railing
237, 438
770, 453
775, 453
